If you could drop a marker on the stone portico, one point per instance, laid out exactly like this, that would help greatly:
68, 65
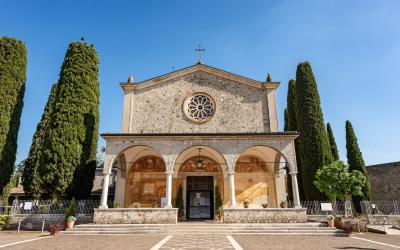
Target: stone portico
194, 131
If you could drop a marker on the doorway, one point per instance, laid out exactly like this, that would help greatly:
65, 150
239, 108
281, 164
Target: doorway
200, 198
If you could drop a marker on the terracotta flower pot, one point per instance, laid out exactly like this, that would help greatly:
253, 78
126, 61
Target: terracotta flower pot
331, 223
70, 224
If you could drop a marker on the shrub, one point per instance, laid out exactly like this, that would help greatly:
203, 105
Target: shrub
4, 219
71, 211
218, 202
179, 201
55, 228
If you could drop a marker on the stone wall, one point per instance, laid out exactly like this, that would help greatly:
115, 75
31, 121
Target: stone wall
34, 221
383, 219
239, 107
136, 216
384, 180
266, 215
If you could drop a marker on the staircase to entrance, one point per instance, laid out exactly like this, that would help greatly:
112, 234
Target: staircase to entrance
208, 228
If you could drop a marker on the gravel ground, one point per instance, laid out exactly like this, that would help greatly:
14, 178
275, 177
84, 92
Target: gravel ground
253, 242
109, 242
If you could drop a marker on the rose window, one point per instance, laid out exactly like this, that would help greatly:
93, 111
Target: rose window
199, 107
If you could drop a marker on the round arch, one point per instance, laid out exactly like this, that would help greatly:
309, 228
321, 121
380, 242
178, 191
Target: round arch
205, 151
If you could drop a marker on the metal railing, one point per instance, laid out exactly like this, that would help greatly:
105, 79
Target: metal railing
339, 208
388, 207
49, 206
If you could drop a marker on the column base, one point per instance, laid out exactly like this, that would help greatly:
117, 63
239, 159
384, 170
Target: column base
103, 207
167, 206
299, 206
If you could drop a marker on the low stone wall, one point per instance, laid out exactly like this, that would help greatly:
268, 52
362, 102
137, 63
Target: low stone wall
135, 216
34, 221
383, 219
265, 215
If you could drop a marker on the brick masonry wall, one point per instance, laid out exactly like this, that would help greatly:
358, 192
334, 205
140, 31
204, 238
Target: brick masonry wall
239, 108
385, 181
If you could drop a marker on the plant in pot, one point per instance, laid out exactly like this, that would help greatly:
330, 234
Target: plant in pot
71, 211
71, 221
264, 205
117, 205
155, 204
330, 220
4, 220
220, 214
283, 204
179, 203
246, 203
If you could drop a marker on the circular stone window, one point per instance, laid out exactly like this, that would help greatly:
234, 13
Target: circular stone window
199, 107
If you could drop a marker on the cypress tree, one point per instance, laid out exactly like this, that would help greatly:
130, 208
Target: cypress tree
356, 162
68, 157
30, 177
314, 145
292, 126
286, 117
13, 60
332, 142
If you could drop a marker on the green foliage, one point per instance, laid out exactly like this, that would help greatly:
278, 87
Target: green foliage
286, 119
336, 182
13, 60
67, 157
7, 189
332, 142
218, 202
314, 145
4, 219
356, 162
30, 176
71, 210
179, 201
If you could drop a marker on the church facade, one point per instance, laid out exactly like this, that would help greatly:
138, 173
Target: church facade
197, 132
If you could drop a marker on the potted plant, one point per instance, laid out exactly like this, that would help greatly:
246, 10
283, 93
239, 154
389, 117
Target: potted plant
246, 203
283, 204
71, 211
4, 220
71, 221
155, 204
264, 205
330, 220
135, 204
117, 205
220, 214
55, 228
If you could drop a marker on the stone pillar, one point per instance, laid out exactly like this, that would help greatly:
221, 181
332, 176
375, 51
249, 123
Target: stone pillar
104, 192
295, 190
168, 191
232, 189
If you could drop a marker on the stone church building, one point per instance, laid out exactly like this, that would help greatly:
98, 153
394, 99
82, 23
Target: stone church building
198, 130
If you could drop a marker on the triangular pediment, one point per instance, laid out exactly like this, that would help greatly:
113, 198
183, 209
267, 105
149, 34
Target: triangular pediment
195, 68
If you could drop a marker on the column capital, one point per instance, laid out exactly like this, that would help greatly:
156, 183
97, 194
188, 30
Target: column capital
231, 173
169, 173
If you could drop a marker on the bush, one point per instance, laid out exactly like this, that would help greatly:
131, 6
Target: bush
179, 202
71, 211
4, 219
218, 202
55, 228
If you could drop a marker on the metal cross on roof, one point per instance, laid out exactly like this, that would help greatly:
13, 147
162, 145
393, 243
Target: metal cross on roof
199, 50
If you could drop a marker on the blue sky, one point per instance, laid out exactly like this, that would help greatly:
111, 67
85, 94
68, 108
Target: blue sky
353, 46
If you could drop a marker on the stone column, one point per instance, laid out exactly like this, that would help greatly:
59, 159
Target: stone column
104, 191
232, 189
168, 191
295, 190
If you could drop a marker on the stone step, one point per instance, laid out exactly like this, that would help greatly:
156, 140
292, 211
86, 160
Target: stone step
202, 225
201, 229
313, 233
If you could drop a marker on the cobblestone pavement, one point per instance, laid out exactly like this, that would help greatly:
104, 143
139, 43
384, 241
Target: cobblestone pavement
198, 241
258, 242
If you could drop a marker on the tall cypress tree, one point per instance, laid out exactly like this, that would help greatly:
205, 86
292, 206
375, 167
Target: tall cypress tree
68, 156
13, 60
356, 162
314, 145
292, 126
30, 176
332, 142
286, 117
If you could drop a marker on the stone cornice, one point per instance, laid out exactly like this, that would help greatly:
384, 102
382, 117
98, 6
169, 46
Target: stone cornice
200, 67
201, 136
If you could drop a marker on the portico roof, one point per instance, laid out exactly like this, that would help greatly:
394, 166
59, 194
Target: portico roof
287, 135
204, 68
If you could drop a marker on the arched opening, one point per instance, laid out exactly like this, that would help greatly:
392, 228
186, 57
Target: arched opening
259, 178
140, 178
199, 171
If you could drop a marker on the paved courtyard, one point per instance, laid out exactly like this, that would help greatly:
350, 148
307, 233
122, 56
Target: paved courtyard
200, 241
